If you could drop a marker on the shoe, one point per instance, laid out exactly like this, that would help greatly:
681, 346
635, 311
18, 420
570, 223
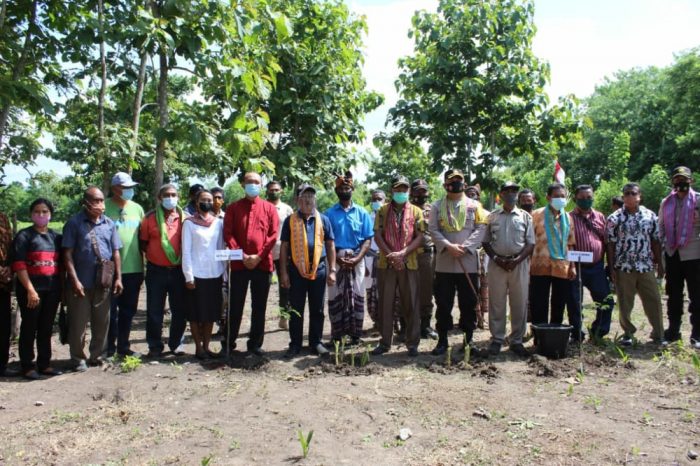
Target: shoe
429, 332
131, 353
291, 352
412, 352
154, 354
695, 343
95, 362
519, 350
320, 350
202, 355
257, 351
494, 348
379, 350
671, 336
81, 367
214, 354
32, 375
50, 371
661, 342
626, 341
8, 373
439, 349
179, 351
283, 324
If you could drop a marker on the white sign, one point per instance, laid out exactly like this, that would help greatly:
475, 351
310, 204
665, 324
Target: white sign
580, 256
228, 255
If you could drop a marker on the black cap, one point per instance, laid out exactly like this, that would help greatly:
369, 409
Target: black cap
305, 187
400, 181
419, 184
195, 188
510, 185
682, 171
452, 172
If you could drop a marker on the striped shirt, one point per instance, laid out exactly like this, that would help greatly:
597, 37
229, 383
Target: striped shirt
38, 254
589, 229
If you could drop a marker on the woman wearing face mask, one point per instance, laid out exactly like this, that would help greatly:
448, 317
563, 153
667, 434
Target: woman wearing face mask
202, 235
36, 257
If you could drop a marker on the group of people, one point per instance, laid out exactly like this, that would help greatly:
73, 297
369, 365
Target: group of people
393, 261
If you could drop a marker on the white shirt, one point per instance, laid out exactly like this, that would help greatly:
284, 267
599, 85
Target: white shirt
283, 211
199, 245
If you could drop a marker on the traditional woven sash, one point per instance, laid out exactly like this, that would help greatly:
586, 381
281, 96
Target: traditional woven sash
164, 240
398, 231
300, 244
678, 236
556, 237
453, 221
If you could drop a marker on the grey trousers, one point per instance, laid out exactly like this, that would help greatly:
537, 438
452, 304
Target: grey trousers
508, 286
93, 308
389, 281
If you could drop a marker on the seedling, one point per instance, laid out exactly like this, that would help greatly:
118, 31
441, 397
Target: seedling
305, 441
448, 356
647, 419
570, 390
365, 357
130, 363
623, 355
336, 344
594, 401
352, 359
206, 460
696, 363
467, 350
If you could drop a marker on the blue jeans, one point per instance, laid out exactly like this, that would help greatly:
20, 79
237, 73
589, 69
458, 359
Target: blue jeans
316, 291
121, 313
162, 282
595, 279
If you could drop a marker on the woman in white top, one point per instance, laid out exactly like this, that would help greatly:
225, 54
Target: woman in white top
202, 235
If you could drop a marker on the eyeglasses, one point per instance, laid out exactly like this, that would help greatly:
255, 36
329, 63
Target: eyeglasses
631, 193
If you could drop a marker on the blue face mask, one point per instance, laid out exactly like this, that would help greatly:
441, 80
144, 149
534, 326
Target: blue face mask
400, 198
169, 203
252, 190
558, 203
376, 205
127, 194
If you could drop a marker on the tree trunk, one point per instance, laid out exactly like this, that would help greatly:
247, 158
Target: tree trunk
19, 66
163, 121
137, 110
3, 12
104, 158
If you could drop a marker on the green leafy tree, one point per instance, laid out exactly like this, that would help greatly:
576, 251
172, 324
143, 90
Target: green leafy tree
655, 186
399, 156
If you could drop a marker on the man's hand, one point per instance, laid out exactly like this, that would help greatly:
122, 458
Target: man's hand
572, 273
330, 279
32, 298
660, 272
78, 288
251, 261
284, 280
118, 287
5, 274
455, 250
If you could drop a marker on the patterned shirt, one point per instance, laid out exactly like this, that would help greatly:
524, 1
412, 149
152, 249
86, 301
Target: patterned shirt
38, 254
5, 245
419, 227
633, 234
542, 263
590, 232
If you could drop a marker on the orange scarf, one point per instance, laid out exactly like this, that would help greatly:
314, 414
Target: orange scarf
300, 245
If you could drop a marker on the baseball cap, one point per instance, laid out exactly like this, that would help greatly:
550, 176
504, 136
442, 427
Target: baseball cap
123, 179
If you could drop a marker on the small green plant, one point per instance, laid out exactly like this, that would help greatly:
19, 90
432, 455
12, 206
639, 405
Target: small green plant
175, 365
448, 356
688, 417
286, 313
234, 445
305, 441
130, 363
570, 390
580, 376
336, 344
696, 363
206, 460
647, 419
623, 355
594, 401
365, 357
352, 359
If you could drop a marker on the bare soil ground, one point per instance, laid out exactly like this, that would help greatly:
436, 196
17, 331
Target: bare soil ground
640, 407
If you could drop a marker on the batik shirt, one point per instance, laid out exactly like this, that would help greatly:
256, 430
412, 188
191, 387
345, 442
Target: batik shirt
632, 234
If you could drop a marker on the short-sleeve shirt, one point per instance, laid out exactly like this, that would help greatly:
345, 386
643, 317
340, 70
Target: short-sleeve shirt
286, 234
590, 232
633, 234
509, 232
419, 227
150, 233
77, 236
283, 211
39, 254
542, 263
127, 221
351, 227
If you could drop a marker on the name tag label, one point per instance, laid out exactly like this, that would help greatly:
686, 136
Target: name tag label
580, 256
228, 255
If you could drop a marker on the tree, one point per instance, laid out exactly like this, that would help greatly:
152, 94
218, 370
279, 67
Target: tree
399, 156
684, 107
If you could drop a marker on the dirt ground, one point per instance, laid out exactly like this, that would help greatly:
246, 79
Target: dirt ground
637, 407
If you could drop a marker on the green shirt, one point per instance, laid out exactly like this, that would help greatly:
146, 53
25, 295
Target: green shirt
127, 221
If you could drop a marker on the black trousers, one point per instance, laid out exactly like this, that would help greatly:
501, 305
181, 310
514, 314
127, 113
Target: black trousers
283, 292
5, 330
259, 281
678, 274
561, 289
37, 325
298, 292
445, 286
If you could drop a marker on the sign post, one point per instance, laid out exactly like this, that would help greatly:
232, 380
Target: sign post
587, 258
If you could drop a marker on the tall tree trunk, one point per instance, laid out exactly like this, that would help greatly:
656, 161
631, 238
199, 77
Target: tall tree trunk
140, 83
3, 12
101, 101
18, 69
163, 120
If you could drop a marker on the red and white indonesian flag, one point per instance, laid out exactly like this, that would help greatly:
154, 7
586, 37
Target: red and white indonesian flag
559, 175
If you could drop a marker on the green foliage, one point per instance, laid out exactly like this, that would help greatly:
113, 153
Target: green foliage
602, 199
305, 441
130, 364
655, 186
64, 193
399, 155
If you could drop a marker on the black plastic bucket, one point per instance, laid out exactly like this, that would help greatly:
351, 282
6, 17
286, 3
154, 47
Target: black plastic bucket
552, 339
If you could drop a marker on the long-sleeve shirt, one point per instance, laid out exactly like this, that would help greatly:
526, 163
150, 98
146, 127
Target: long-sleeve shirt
199, 245
251, 225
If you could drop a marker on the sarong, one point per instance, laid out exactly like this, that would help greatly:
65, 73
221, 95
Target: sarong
346, 301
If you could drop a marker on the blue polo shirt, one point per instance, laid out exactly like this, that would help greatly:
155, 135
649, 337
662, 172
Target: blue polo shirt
351, 227
310, 228
76, 236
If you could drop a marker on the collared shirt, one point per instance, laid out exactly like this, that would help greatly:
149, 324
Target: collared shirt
428, 243
77, 236
351, 226
509, 232
199, 245
150, 233
38, 254
590, 232
5, 246
690, 251
283, 211
418, 226
127, 221
310, 223
251, 225
542, 263
633, 234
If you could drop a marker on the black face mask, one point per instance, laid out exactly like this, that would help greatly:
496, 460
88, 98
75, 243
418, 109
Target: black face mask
420, 200
345, 195
527, 207
682, 186
206, 206
456, 187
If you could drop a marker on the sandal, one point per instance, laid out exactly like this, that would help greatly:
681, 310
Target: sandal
32, 375
50, 371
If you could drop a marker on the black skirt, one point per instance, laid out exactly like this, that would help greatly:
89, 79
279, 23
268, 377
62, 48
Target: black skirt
205, 301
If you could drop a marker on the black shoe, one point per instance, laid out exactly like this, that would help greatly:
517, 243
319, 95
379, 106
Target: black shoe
626, 341
379, 350
258, 351
429, 332
291, 352
95, 362
412, 352
154, 354
8, 372
519, 350
439, 349
671, 336
50, 371
494, 348
131, 353
32, 375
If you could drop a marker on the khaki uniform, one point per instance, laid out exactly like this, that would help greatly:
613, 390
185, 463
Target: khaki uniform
509, 233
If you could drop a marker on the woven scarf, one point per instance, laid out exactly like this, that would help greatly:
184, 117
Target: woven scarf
197, 219
453, 221
677, 236
398, 230
164, 240
556, 237
300, 245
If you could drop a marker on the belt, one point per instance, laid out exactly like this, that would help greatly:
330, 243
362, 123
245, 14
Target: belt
151, 264
513, 256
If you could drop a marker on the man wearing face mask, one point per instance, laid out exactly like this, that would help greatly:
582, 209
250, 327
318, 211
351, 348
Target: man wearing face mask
274, 196
89, 237
160, 237
426, 260
251, 225
352, 229
589, 229
378, 200
127, 216
527, 200
398, 231
679, 229
191, 207
457, 225
549, 268
509, 241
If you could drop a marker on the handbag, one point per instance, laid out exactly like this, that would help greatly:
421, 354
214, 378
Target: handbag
104, 274
63, 325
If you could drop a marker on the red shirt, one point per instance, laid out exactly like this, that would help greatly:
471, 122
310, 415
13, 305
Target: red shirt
150, 232
590, 232
252, 226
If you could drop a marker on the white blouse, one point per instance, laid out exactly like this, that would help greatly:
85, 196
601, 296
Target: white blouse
199, 245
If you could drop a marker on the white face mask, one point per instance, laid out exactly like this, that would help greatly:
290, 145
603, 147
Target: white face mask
558, 203
169, 203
